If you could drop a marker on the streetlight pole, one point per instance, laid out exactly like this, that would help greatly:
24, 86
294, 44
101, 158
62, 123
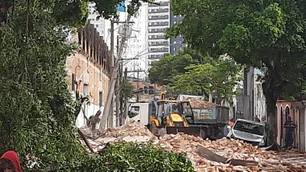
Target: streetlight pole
114, 77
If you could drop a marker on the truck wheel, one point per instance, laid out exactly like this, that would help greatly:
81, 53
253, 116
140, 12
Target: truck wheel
153, 128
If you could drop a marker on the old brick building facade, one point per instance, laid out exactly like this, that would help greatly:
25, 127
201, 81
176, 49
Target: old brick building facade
88, 68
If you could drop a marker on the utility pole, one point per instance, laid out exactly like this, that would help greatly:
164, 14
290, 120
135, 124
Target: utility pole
114, 75
110, 119
126, 101
137, 79
118, 90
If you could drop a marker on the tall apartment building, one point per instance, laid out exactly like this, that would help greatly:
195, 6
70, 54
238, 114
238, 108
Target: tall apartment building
158, 22
99, 23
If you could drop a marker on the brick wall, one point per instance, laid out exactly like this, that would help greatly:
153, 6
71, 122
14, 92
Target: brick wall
90, 65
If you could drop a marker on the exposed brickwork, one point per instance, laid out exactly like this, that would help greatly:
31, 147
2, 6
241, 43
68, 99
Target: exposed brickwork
90, 64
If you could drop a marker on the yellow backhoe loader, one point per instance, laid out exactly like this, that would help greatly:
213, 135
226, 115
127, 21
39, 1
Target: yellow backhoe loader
168, 116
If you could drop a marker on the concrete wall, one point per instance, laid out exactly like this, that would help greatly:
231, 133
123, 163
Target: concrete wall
301, 130
260, 107
299, 108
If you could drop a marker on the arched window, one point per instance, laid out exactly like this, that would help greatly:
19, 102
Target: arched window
287, 112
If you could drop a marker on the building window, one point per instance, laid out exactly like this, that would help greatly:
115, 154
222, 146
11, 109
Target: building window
101, 74
85, 89
73, 82
100, 98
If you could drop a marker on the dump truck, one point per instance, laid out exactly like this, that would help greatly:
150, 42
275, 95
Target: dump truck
164, 116
210, 117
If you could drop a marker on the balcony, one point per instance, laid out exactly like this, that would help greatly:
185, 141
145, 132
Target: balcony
159, 50
157, 30
152, 11
158, 23
160, 43
153, 37
154, 57
162, 4
163, 17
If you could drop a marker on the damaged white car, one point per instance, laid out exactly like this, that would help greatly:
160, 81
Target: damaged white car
249, 131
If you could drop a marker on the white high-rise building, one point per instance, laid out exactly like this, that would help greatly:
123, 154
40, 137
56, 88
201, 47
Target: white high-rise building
137, 45
158, 22
137, 49
99, 23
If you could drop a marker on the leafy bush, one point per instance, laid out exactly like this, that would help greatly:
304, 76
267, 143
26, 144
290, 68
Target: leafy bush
38, 114
136, 157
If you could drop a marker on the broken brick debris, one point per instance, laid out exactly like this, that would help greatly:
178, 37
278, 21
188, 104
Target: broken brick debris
183, 143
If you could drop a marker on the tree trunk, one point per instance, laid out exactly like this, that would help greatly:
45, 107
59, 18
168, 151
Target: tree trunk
271, 109
271, 92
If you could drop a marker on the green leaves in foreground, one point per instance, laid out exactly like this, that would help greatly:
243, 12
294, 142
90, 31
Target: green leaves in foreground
138, 158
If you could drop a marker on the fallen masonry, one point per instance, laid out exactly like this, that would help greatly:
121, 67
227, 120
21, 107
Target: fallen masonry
212, 156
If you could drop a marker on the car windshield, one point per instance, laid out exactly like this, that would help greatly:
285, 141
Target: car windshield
249, 127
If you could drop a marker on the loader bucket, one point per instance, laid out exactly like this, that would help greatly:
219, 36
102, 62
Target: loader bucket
191, 130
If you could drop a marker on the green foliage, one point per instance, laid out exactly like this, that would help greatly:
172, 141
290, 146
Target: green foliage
264, 34
162, 71
72, 13
220, 75
192, 73
127, 89
38, 115
108, 8
138, 158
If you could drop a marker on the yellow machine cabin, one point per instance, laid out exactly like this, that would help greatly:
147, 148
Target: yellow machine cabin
168, 113
165, 115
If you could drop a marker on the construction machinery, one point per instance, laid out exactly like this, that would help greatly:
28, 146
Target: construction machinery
168, 114
210, 117
165, 115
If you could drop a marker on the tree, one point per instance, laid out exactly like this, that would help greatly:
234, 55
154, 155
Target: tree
163, 71
38, 113
265, 34
220, 75
190, 72
125, 157
72, 13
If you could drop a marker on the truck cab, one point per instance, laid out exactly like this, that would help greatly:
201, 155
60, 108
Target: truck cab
139, 112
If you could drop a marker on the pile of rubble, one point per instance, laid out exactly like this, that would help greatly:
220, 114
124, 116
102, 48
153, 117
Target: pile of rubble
206, 155
200, 104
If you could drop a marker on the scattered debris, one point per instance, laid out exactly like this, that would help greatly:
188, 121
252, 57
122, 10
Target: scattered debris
200, 104
206, 155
